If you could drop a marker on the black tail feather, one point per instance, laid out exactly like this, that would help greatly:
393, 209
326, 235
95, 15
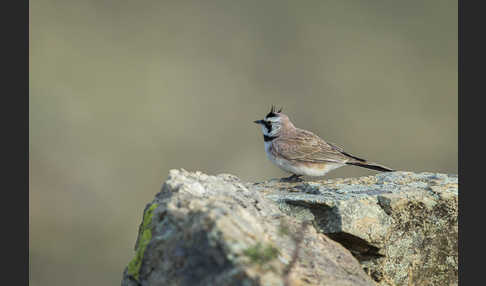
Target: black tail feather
372, 166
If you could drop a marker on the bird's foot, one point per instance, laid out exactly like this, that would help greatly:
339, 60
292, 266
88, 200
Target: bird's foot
292, 179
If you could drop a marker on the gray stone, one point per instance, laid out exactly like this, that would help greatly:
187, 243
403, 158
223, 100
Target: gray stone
213, 230
401, 226
395, 228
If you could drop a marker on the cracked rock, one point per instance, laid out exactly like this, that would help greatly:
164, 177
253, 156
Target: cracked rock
214, 230
401, 226
396, 228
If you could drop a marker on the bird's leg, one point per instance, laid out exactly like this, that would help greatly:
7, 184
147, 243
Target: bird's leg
293, 178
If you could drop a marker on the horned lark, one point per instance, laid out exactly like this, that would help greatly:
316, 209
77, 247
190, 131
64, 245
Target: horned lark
303, 153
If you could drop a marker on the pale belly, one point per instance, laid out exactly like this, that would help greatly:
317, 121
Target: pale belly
301, 169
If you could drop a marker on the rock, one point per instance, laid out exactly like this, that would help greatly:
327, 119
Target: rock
395, 228
214, 230
401, 226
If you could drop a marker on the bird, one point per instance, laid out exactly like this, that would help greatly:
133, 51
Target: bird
301, 152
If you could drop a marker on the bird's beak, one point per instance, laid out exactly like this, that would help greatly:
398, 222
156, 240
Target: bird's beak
258, 121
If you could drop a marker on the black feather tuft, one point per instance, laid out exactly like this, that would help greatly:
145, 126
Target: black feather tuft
273, 112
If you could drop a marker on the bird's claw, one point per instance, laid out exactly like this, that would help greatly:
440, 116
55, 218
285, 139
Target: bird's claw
292, 179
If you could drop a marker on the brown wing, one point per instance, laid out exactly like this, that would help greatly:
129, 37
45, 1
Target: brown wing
305, 146
340, 149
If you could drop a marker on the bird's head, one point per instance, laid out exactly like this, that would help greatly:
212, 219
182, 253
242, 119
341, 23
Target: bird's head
274, 123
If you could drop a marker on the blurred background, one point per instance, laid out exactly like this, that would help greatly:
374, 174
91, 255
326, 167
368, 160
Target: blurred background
123, 91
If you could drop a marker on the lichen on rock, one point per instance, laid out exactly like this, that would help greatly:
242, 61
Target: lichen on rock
401, 226
394, 228
144, 237
261, 253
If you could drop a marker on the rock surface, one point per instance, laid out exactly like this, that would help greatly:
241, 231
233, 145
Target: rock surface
401, 226
395, 228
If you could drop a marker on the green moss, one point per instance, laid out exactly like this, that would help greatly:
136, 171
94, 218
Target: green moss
261, 254
144, 237
283, 228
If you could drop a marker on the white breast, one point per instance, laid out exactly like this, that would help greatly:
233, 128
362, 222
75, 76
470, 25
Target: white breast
299, 169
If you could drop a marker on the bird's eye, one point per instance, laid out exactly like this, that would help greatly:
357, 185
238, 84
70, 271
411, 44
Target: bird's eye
267, 124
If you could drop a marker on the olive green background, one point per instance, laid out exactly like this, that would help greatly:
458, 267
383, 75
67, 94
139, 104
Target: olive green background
123, 91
